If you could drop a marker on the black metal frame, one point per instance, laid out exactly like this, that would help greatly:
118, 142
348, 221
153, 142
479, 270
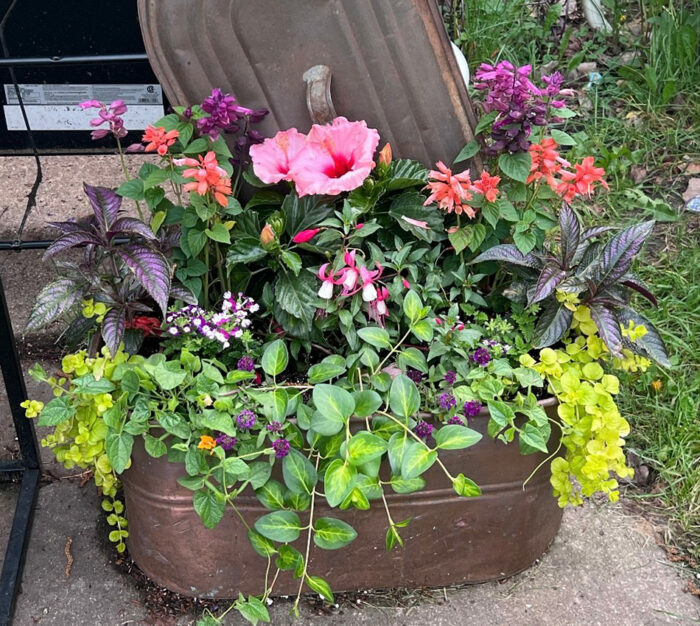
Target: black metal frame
28, 465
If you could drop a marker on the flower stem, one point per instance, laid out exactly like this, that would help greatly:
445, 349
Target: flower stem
418, 439
126, 174
295, 608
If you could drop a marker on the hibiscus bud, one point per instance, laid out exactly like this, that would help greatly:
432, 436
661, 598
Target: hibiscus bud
385, 155
267, 237
306, 235
277, 221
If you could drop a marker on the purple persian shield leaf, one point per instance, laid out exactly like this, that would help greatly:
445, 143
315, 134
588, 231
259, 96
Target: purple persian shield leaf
552, 324
570, 233
595, 231
620, 251
130, 226
608, 327
105, 203
589, 260
507, 253
550, 277
180, 292
113, 327
70, 226
70, 240
651, 345
634, 282
54, 300
151, 269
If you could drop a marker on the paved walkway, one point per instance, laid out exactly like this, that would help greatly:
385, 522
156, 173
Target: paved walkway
603, 568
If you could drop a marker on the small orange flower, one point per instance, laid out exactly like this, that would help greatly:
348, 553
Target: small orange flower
206, 443
487, 186
656, 385
546, 162
581, 182
158, 140
450, 191
208, 175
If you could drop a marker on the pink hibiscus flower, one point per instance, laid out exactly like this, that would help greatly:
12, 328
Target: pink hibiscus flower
337, 158
273, 158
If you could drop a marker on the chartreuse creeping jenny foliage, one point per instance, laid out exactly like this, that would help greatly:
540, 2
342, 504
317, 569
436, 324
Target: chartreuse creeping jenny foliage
86, 399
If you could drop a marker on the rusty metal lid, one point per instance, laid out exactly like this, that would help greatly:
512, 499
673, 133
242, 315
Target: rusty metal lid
391, 63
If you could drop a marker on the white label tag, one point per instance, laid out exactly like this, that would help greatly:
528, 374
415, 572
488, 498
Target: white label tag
55, 107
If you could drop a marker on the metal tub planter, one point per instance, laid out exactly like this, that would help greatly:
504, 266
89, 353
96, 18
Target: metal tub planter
449, 540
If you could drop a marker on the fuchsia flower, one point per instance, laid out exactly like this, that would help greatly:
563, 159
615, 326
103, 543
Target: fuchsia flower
326, 290
369, 291
351, 274
377, 308
305, 236
272, 158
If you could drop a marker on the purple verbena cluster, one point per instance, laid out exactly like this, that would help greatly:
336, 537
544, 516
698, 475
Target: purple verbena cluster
110, 115
423, 430
451, 377
481, 356
456, 419
229, 324
471, 408
245, 419
281, 448
519, 102
246, 364
414, 375
446, 401
226, 441
274, 427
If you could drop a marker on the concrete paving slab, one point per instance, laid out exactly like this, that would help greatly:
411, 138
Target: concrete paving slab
60, 195
603, 568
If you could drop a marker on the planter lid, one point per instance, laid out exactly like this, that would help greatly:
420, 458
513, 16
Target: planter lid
391, 63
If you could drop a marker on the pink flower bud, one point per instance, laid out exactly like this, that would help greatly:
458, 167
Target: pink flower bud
406, 284
359, 226
306, 235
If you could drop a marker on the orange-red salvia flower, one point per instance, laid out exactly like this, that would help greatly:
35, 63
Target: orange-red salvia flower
546, 162
158, 140
487, 186
450, 191
208, 175
580, 182
206, 443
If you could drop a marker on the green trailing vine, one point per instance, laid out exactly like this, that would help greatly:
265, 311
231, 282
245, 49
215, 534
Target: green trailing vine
84, 395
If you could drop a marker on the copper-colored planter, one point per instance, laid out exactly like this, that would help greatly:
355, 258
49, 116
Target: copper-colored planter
449, 540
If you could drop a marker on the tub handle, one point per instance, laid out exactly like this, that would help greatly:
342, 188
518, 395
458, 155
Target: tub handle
318, 94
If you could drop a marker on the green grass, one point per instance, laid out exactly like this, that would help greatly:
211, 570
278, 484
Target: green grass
641, 123
665, 423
